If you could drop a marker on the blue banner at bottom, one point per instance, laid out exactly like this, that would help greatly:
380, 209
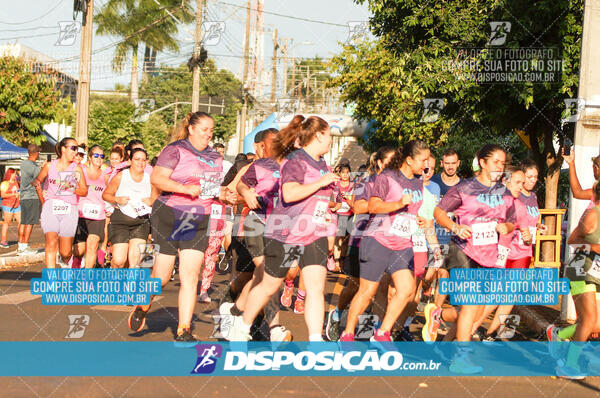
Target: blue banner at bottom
299, 359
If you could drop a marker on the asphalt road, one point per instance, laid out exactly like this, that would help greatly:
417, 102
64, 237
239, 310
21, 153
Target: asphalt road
24, 318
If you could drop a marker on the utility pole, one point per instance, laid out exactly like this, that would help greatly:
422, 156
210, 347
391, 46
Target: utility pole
293, 77
274, 70
244, 83
83, 89
307, 84
196, 57
285, 66
175, 114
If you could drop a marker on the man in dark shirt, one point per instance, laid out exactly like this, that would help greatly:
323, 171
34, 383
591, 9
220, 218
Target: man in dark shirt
446, 180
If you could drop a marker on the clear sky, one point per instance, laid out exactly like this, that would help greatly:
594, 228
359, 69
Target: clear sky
35, 23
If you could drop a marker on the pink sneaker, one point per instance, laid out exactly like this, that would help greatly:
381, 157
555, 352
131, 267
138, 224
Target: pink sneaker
101, 257
286, 296
346, 341
347, 337
331, 263
75, 262
383, 340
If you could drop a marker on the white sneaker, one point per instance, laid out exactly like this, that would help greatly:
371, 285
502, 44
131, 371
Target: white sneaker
27, 251
204, 298
238, 331
280, 333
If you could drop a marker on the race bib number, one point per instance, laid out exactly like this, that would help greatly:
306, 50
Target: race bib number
485, 233
141, 209
60, 207
216, 211
594, 270
210, 189
345, 208
419, 243
91, 211
533, 232
502, 256
320, 213
403, 226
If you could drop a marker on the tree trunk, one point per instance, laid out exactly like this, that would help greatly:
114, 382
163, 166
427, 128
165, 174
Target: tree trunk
147, 63
133, 96
551, 179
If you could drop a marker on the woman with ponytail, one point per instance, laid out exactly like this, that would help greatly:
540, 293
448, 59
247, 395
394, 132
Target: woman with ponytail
188, 173
297, 229
66, 183
396, 196
483, 208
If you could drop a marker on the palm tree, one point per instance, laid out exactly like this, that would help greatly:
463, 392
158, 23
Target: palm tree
141, 22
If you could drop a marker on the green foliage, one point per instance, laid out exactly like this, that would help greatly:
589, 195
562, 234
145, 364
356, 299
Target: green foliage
28, 101
113, 118
388, 77
170, 84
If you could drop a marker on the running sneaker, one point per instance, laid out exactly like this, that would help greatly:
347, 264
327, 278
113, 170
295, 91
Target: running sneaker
286, 296
432, 322
553, 341
346, 341
185, 339
478, 334
462, 364
100, 257
137, 319
299, 306
488, 338
237, 332
331, 263
4, 245
383, 339
26, 252
567, 372
332, 330
204, 298
280, 333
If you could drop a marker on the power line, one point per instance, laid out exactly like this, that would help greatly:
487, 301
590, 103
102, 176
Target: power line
287, 16
36, 19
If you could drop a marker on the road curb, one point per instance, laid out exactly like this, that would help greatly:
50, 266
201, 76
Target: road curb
15, 261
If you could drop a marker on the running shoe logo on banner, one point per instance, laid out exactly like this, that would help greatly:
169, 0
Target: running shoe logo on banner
367, 323
77, 325
207, 358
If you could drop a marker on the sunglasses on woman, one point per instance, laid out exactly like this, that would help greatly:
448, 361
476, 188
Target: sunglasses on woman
98, 155
80, 154
74, 148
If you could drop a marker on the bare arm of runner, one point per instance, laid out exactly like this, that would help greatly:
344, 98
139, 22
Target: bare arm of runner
578, 192
378, 206
37, 182
161, 179
442, 219
111, 190
248, 195
294, 191
82, 188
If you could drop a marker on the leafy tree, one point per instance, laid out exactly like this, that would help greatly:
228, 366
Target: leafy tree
171, 85
28, 101
137, 22
113, 118
389, 77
